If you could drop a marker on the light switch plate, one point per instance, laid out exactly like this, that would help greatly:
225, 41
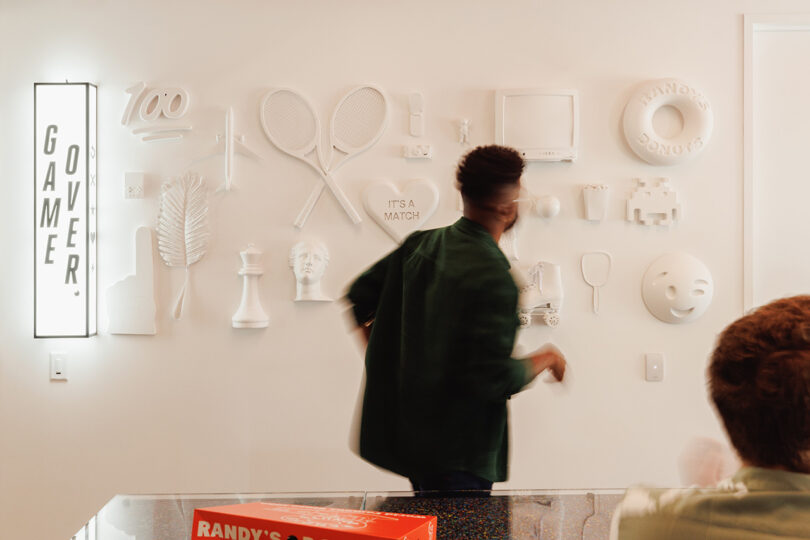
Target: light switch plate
655, 367
59, 366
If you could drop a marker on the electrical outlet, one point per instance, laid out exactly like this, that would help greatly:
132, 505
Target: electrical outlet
59, 366
133, 185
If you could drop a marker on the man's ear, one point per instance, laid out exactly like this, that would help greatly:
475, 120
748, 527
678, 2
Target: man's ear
504, 211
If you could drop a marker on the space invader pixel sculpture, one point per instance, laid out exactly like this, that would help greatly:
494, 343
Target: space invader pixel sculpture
654, 203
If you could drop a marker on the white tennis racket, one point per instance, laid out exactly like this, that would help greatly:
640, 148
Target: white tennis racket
358, 122
291, 124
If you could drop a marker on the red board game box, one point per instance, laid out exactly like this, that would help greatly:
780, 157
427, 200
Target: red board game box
270, 521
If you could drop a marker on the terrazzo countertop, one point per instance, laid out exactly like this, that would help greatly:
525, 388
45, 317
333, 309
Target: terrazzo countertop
526, 515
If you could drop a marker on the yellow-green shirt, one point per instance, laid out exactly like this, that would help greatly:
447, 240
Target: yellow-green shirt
755, 504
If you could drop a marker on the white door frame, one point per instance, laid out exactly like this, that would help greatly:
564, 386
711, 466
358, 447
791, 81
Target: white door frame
782, 22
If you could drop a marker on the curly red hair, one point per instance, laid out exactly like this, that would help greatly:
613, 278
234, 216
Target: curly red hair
759, 380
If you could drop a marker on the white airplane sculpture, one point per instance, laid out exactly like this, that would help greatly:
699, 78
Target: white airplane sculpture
228, 144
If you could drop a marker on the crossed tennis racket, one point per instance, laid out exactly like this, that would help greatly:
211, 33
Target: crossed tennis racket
358, 121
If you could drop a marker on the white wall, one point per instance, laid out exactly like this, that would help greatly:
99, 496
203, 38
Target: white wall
202, 407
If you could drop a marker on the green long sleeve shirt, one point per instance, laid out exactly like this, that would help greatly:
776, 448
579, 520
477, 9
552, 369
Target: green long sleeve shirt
438, 364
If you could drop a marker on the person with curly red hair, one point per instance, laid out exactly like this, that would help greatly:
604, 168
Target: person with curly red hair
759, 381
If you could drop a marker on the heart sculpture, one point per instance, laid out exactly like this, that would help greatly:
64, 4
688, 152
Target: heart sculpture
399, 213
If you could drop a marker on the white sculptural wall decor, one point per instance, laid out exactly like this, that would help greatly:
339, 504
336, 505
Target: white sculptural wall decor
595, 197
654, 202
541, 124
544, 206
694, 108
595, 267
250, 313
416, 118
131, 301
541, 293
151, 104
183, 227
547, 206
677, 288
464, 132
358, 121
417, 151
400, 212
229, 143
308, 260
134, 185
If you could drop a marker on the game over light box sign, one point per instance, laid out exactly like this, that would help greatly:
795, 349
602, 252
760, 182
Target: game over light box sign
64, 210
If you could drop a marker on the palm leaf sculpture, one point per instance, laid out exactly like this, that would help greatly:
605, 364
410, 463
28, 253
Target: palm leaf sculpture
182, 229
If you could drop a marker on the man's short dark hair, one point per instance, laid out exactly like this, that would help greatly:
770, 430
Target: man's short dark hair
759, 380
484, 171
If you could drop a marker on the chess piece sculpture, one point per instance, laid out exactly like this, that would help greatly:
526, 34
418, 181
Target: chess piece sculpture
250, 313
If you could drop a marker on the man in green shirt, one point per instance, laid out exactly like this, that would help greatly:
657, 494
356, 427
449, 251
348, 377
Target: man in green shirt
759, 381
440, 317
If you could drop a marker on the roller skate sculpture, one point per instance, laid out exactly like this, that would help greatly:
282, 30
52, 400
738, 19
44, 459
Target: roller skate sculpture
541, 295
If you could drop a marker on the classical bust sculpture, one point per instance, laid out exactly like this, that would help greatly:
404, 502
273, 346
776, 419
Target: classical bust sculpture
308, 259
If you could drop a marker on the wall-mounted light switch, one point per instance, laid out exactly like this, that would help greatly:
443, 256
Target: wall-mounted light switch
59, 366
655, 366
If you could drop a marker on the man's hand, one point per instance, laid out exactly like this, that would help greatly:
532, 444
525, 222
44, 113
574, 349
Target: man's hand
548, 357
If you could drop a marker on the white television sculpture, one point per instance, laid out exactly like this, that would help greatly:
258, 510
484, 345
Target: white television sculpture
543, 125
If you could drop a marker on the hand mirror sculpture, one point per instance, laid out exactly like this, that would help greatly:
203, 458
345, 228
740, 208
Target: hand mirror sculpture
308, 260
